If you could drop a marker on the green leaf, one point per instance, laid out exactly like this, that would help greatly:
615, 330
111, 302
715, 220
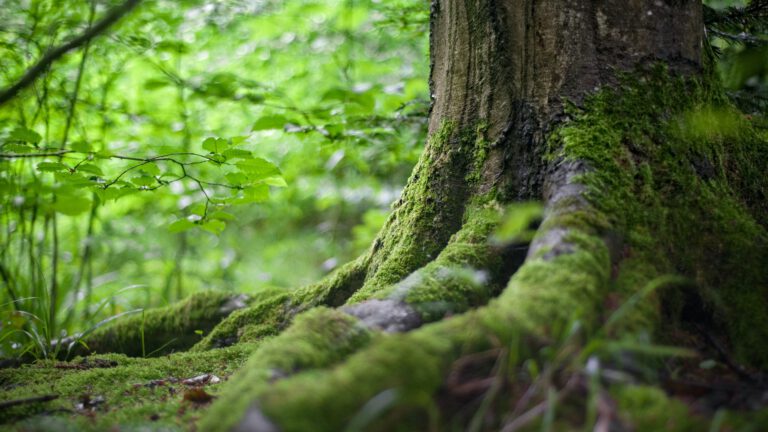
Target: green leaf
26, 135
150, 169
255, 97
338, 94
81, 146
17, 148
51, 166
518, 221
214, 226
234, 153
236, 178
269, 122
258, 193
155, 83
172, 46
215, 145
197, 209
277, 181
143, 180
90, 168
113, 193
258, 168
237, 140
76, 180
71, 205
217, 159
221, 215
181, 225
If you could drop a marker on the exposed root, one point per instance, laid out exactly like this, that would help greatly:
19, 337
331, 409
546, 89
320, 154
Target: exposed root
271, 313
158, 331
543, 293
591, 251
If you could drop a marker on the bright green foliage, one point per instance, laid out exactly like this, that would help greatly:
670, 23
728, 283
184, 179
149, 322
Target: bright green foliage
196, 146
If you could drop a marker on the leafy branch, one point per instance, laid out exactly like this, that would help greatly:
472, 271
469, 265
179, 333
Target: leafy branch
248, 178
54, 54
743, 25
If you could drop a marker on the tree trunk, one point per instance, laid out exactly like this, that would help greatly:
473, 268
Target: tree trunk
652, 229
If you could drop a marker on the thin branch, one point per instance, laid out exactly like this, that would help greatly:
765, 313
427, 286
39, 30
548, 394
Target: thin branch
162, 157
33, 155
54, 54
739, 38
29, 400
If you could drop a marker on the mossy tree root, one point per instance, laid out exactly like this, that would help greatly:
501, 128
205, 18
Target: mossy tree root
619, 214
554, 287
157, 331
273, 310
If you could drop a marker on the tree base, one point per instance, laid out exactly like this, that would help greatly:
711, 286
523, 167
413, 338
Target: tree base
654, 231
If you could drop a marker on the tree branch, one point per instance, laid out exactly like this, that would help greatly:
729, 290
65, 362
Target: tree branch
54, 54
33, 155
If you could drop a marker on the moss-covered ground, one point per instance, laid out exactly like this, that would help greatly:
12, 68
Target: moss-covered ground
100, 392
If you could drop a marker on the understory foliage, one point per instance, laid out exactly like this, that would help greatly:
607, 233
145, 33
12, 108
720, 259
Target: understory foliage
186, 132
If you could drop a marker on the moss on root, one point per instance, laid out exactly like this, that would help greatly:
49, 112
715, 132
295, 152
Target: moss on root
318, 338
466, 273
162, 330
649, 408
412, 366
263, 318
684, 198
652, 208
646, 407
434, 197
274, 310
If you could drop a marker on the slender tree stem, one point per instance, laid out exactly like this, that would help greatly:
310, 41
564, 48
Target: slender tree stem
53, 295
78, 80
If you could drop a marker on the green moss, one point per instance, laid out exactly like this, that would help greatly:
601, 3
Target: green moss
412, 366
335, 289
744, 421
632, 276
465, 274
547, 292
684, 199
273, 311
317, 338
480, 149
647, 408
263, 318
134, 392
162, 330
434, 197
